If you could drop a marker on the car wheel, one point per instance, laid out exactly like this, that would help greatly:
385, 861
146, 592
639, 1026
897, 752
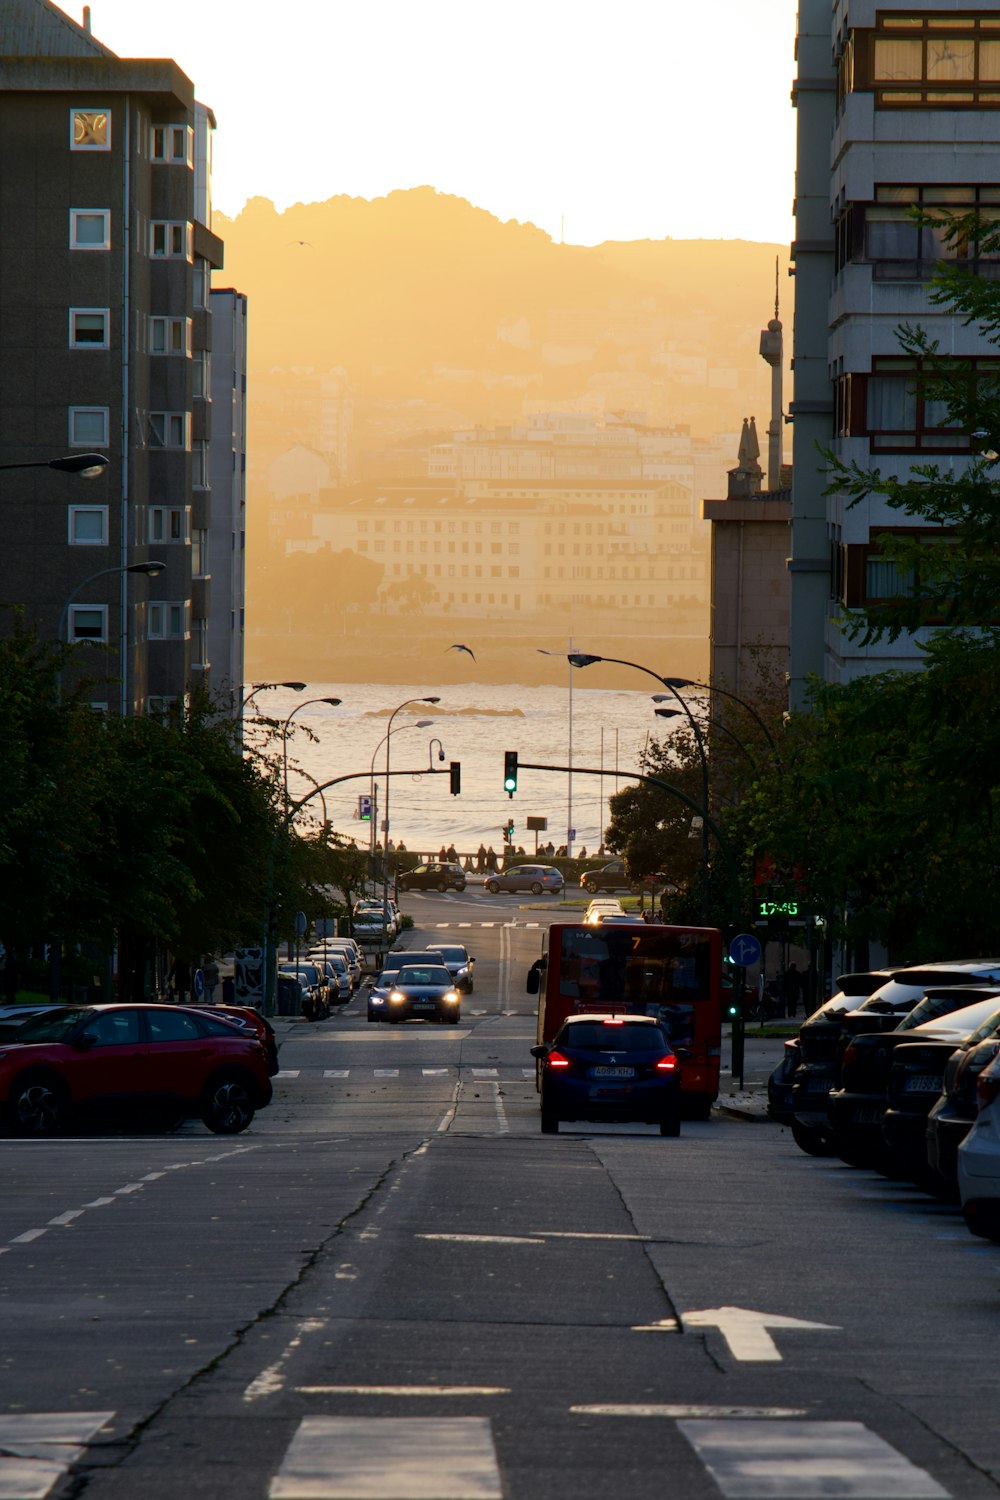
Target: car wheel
38, 1106
671, 1125
550, 1123
811, 1138
227, 1106
493, 886
536, 888
454, 1019
442, 885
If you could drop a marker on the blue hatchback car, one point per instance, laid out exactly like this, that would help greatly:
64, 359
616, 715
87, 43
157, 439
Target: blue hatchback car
610, 1067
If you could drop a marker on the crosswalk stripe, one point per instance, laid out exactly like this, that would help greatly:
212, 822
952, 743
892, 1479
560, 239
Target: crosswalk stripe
390, 1458
386, 1072
336, 1073
484, 1072
527, 1072
435, 1072
289, 1073
806, 1459
37, 1448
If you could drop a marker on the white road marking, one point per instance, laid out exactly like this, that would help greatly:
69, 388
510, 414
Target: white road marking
449, 1114
484, 1073
807, 1460
584, 1234
745, 1331
403, 1390
336, 1073
288, 1073
483, 1239
37, 1448
527, 1072
436, 1072
27, 1237
502, 1127
67, 1217
390, 1458
664, 1325
736, 1413
272, 1379
386, 1072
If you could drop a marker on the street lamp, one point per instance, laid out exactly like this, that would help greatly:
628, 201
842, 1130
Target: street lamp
149, 569
87, 465
430, 751
284, 729
675, 713
420, 724
260, 687
388, 746
585, 659
686, 682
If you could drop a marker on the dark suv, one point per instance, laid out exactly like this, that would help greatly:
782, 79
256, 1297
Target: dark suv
610, 877
433, 876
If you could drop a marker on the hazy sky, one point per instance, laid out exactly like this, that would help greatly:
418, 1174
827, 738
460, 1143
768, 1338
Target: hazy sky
636, 120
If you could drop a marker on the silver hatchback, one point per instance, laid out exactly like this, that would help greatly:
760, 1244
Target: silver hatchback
537, 879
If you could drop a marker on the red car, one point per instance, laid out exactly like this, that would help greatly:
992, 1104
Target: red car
172, 1062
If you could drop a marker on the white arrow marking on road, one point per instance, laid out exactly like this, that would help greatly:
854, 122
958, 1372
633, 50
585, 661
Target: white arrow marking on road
745, 1331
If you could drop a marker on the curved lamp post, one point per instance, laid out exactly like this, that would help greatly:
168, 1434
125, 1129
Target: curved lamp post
675, 713
686, 682
430, 750
284, 730
585, 659
420, 724
262, 687
149, 569
388, 746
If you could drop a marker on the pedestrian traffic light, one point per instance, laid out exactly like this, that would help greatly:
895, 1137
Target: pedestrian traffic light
510, 772
456, 777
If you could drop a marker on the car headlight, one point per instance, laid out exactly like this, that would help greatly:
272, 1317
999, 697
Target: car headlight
378, 999
397, 996
451, 997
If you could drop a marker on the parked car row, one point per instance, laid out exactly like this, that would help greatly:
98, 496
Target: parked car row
899, 1071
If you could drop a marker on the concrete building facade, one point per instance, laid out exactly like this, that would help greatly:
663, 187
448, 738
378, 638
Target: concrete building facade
106, 257
898, 108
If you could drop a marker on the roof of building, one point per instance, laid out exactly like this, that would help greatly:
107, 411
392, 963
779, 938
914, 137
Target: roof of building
37, 28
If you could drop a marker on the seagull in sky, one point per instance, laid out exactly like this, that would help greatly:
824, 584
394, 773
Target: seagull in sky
303, 242
457, 647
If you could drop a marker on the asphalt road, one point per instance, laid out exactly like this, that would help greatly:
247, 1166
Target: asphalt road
393, 1287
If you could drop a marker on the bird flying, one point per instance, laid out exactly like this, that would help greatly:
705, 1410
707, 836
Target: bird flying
457, 647
302, 242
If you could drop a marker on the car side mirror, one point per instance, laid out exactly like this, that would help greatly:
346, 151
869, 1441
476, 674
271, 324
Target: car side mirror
531, 983
85, 1042
540, 1051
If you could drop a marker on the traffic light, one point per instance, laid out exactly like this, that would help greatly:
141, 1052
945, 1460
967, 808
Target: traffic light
456, 777
510, 772
734, 1007
508, 830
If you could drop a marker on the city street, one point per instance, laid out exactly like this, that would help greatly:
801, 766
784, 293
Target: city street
393, 1287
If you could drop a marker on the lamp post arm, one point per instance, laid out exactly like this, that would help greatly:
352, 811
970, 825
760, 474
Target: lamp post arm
725, 693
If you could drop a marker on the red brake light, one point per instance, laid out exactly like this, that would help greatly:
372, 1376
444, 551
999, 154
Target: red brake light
666, 1064
987, 1090
613, 1021
556, 1060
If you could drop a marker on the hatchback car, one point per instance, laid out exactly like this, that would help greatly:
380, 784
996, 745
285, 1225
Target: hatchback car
423, 990
459, 963
610, 1068
533, 878
433, 876
979, 1159
378, 995
170, 1061
340, 984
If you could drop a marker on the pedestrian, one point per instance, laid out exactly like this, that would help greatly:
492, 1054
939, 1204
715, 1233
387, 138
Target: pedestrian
452, 853
179, 979
210, 974
442, 854
481, 858
791, 989
491, 861
582, 852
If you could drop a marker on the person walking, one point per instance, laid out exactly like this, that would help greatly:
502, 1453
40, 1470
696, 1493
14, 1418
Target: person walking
791, 989
481, 858
210, 974
491, 861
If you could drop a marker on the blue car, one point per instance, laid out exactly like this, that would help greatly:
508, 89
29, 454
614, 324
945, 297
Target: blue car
610, 1067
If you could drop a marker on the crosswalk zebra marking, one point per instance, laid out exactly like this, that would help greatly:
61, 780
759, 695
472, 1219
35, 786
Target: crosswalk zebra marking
390, 1458
757, 1460
289, 1073
435, 1072
336, 1072
37, 1448
484, 1073
386, 1072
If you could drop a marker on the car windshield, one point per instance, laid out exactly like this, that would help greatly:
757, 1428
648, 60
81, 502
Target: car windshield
454, 955
935, 1005
54, 1026
613, 1036
423, 974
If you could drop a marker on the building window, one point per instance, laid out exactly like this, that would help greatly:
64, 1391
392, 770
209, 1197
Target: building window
90, 229
885, 234
926, 60
88, 622
169, 429
90, 130
89, 328
172, 143
199, 465
168, 523
166, 621
201, 375
891, 406
199, 552
202, 282
88, 426
170, 336
199, 644
170, 239
88, 525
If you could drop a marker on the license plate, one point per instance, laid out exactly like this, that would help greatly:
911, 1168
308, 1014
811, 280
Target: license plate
610, 1072
867, 1114
922, 1083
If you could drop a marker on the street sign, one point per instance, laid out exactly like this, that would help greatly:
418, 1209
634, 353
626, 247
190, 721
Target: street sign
745, 950
365, 807
198, 984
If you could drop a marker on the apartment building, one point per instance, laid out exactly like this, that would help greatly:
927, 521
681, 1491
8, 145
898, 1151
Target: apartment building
106, 258
898, 107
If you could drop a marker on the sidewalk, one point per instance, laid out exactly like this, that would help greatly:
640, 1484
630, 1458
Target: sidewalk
761, 1055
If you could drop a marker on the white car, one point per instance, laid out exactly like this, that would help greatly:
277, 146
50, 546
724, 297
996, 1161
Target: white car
338, 975
979, 1159
348, 950
602, 907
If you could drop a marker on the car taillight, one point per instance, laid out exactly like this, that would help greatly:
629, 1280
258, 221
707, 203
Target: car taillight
613, 1021
556, 1060
666, 1064
987, 1091
850, 1055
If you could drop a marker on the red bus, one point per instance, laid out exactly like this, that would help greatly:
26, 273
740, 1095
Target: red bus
673, 973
